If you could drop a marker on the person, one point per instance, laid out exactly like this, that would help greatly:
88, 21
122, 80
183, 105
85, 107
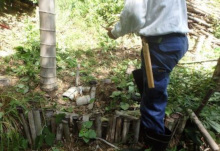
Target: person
164, 25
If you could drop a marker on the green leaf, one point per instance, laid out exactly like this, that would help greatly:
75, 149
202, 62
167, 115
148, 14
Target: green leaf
55, 149
49, 139
115, 94
124, 106
91, 134
46, 131
87, 124
25, 79
215, 126
1, 104
81, 133
24, 144
86, 139
39, 142
131, 89
59, 118
92, 100
1, 115
25, 90
21, 86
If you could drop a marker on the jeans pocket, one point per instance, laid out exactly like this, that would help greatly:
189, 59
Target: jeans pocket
161, 79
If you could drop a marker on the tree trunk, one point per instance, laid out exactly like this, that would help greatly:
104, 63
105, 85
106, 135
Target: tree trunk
48, 45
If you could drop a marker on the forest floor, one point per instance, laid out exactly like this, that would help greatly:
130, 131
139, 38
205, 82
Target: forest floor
17, 28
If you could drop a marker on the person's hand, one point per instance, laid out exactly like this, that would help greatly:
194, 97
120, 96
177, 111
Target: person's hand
110, 33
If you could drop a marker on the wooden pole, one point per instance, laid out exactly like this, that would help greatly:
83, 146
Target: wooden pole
37, 121
66, 130
25, 125
59, 133
126, 126
32, 126
48, 45
203, 131
136, 128
148, 66
112, 136
118, 130
98, 125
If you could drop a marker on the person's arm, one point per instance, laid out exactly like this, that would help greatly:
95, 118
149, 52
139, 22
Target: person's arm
132, 18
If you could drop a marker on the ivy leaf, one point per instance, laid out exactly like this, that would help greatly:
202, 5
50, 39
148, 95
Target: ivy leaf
21, 86
86, 139
124, 106
131, 89
91, 134
87, 124
115, 94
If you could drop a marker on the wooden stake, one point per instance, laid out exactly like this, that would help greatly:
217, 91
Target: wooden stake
118, 130
48, 116
59, 133
98, 124
148, 66
126, 126
32, 126
37, 121
108, 135
75, 126
26, 128
136, 129
66, 130
105, 129
203, 131
112, 136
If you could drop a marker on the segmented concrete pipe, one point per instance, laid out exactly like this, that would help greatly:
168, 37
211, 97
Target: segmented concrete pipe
47, 45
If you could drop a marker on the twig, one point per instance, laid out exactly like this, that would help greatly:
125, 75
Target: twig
202, 61
107, 143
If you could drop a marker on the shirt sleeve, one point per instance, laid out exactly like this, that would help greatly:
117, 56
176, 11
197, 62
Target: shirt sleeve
132, 18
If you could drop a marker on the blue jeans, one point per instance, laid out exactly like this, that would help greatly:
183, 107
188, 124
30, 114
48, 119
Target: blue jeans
165, 52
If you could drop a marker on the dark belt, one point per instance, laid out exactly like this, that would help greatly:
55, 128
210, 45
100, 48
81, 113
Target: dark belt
158, 39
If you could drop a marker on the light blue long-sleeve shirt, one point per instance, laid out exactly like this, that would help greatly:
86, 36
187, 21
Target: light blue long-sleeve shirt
152, 18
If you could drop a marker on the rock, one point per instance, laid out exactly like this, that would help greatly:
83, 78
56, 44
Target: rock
4, 82
107, 81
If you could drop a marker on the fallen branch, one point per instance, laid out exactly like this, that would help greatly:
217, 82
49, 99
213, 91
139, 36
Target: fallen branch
203, 131
108, 143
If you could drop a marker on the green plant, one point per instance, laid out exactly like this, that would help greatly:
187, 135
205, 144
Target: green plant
46, 137
10, 132
86, 133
